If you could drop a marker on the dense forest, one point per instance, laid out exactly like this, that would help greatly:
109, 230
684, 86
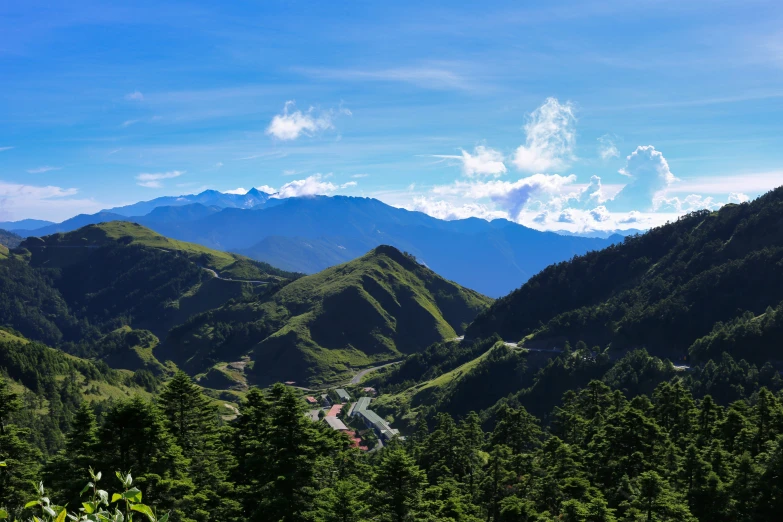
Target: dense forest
603, 456
666, 290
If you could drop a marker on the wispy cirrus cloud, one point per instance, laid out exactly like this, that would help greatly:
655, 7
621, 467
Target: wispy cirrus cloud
155, 179
134, 96
607, 148
434, 76
483, 162
41, 170
3, 149
19, 201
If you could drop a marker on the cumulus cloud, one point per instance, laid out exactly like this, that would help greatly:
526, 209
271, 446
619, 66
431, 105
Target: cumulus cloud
550, 138
134, 96
606, 148
310, 186
294, 123
483, 162
510, 196
154, 180
600, 214
237, 191
738, 197
649, 175
41, 170
19, 201
633, 216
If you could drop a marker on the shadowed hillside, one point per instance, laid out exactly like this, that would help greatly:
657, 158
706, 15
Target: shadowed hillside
664, 290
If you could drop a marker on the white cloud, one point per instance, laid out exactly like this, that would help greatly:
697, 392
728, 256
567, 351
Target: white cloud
738, 197
745, 182
128, 123
218, 164
483, 162
134, 96
600, 214
43, 202
310, 186
436, 76
349, 184
551, 136
510, 196
358, 176
239, 191
649, 177
289, 172
633, 216
606, 148
41, 170
291, 125
446, 210
3, 149
266, 189
153, 180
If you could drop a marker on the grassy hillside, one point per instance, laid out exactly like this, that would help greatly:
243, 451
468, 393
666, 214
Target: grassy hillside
92, 290
49, 250
9, 239
664, 290
371, 310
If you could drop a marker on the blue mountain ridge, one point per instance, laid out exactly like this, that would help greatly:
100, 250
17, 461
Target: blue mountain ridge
309, 234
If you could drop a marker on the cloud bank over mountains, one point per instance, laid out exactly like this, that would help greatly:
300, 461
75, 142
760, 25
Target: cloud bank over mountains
550, 198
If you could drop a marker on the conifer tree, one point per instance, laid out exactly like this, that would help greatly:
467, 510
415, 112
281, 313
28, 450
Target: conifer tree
21, 459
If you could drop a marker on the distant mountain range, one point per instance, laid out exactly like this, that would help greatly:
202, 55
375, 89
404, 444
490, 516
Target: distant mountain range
310, 234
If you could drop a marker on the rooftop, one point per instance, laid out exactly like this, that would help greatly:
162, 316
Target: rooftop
335, 423
334, 410
342, 394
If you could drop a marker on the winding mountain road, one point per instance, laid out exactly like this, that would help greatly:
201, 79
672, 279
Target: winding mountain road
358, 377
234, 280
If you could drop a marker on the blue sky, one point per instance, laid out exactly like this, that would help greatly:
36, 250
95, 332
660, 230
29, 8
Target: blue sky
492, 109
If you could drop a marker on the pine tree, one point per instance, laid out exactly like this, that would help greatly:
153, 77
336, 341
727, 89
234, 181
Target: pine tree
399, 483
193, 424
68, 471
21, 459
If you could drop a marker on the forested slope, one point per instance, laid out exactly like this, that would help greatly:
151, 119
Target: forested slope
663, 290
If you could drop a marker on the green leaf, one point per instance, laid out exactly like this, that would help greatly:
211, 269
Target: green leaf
61, 516
104, 496
40, 488
2, 465
97, 476
141, 508
31, 504
49, 511
89, 507
3, 512
86, 488
164, 518
116, 497
132, 495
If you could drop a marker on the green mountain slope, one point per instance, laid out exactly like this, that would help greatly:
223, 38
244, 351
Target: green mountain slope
70, 290
371, 310
663, 290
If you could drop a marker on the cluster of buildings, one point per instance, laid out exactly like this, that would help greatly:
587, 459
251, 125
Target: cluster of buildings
372, 420
360, 409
